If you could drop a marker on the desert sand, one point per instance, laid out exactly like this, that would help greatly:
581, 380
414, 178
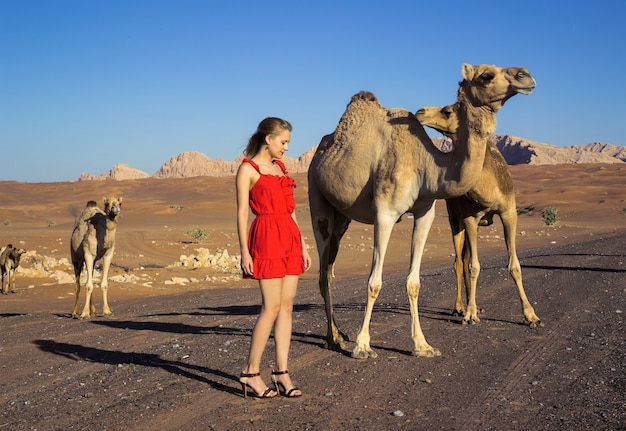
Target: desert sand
157, 215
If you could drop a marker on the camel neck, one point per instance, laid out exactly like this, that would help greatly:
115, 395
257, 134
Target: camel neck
464, 164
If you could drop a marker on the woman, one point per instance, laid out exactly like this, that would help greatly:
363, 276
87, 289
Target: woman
272, 251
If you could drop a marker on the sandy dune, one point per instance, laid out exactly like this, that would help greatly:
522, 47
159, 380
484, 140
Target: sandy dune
157, 215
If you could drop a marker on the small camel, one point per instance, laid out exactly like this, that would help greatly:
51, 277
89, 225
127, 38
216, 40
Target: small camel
380, 164
9, 261
492, 194
93, 238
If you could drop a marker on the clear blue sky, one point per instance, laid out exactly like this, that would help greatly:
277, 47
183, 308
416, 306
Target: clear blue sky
88, 84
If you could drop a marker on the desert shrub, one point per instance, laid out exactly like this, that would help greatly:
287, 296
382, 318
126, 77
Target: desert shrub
50, 223
7, 222
198, 233
177, 207
550, 215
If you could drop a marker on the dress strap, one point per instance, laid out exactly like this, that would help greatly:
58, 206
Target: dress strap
281, 165
254, 165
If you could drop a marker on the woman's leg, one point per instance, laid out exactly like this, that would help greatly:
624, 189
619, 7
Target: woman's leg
283, 326
270, 306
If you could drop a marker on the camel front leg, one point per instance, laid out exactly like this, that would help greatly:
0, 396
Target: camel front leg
5, 283
104, 284
12, 288
76, 296
509, 222
458, 239
89, 305
382, 232
421, 227
471, 238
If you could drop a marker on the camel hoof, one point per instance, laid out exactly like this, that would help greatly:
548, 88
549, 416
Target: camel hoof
471, 320
535, 324
364, 354
427, 353
337, 346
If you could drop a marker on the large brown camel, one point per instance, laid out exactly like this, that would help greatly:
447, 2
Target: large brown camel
492, 194
93, 238
9, 261
380, 164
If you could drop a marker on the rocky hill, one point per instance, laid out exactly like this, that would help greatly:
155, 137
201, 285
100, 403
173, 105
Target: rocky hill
515, 150
519, 151
120, 171
195, 164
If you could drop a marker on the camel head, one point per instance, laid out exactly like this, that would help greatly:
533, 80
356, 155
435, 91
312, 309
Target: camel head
443, 119
17, 254
492, 86
112, 206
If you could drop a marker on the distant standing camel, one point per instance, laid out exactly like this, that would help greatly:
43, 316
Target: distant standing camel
380, 163
9, 261
93, 238
492, 194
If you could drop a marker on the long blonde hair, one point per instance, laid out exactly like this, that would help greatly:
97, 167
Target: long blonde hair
270, 126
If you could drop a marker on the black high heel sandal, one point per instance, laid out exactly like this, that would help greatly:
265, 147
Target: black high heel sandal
243, 379
290, 393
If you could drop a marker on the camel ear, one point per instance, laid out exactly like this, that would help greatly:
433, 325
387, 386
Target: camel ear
120, 200
468, 71
105, 200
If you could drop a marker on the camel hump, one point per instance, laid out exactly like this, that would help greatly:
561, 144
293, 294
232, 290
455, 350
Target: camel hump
367, 96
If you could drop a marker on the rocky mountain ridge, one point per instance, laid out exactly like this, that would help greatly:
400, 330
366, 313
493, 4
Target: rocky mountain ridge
515, 150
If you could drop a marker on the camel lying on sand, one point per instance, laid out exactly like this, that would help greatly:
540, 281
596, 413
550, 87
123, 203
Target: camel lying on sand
492, 194
380, 163
93, 238
9, 261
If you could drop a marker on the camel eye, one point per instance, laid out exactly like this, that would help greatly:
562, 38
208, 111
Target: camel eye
487, 76
521, 74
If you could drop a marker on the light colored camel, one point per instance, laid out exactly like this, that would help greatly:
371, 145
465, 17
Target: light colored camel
93, 238
492, 194
380, 163
9, 261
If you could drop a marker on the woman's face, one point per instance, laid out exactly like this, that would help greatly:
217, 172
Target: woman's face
278, 144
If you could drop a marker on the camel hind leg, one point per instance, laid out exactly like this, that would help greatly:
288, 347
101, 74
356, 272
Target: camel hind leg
329, 227
509, 222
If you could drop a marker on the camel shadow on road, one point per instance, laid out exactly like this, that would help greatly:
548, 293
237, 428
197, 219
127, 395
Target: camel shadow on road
78, 352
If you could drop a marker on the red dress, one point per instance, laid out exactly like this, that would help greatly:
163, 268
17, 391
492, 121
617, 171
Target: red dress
274, 241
